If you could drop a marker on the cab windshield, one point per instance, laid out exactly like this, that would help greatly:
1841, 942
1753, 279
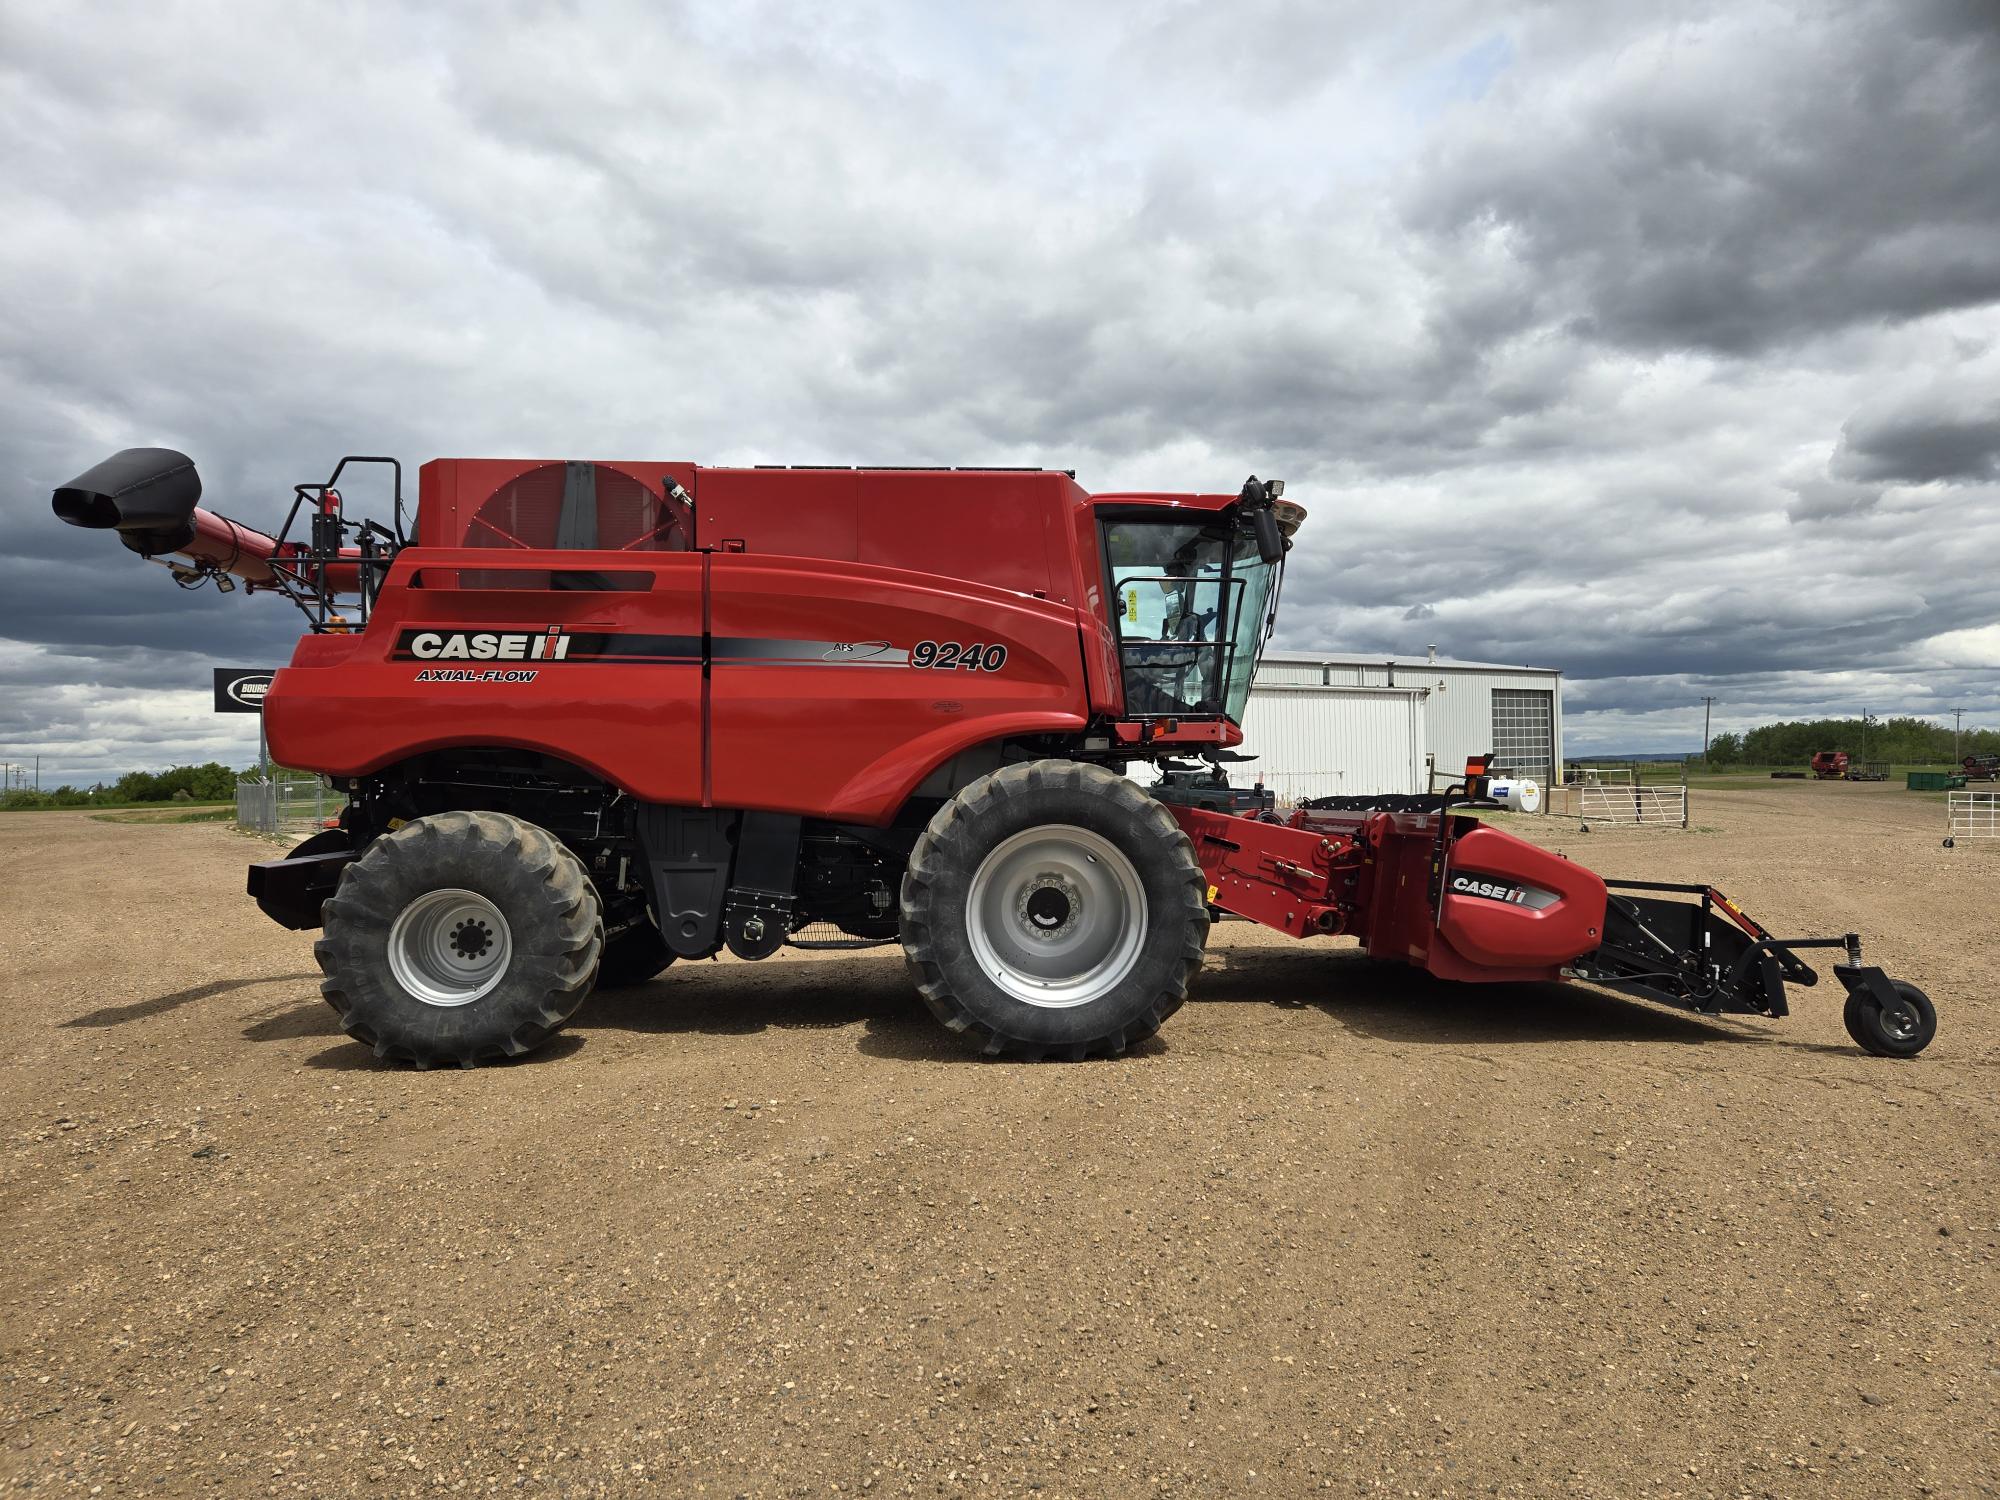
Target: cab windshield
1192, 604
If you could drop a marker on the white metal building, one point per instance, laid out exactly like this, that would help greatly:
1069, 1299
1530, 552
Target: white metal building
1322, 724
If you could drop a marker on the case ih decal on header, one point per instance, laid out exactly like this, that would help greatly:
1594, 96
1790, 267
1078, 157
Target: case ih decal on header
724, 777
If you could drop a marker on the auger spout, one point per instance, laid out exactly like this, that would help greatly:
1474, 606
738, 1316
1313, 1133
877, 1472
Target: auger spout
148, 496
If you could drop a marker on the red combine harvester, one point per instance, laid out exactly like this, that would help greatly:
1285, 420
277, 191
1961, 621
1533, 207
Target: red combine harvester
1830, 765
1980, 767
595, 717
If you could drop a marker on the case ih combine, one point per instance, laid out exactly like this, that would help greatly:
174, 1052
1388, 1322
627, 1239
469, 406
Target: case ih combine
595, 717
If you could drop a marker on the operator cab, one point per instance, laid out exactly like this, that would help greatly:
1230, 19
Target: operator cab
1194, 595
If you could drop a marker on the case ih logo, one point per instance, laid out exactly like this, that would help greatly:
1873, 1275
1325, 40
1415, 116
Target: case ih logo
483, 645
1492, 890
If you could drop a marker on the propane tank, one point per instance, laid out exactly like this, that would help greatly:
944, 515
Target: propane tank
1517, 794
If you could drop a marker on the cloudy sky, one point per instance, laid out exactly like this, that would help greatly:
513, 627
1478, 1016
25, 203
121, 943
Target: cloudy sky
1657, 342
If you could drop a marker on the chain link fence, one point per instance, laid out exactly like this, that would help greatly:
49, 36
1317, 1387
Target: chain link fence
301, 806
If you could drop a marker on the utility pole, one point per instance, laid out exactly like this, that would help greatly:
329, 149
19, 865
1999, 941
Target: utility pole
1957, 723
1866, 719
1707, 707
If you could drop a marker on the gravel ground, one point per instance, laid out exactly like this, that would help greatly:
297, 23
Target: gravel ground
759, 1230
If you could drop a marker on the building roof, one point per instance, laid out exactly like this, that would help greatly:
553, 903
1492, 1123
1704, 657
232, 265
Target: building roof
1356, 659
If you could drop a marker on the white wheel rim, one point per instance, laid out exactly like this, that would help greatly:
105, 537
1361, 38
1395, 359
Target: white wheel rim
1056, 916
448, 947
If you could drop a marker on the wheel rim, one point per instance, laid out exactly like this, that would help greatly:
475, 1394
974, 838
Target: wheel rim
1056, 916
449, 947
1899, 1025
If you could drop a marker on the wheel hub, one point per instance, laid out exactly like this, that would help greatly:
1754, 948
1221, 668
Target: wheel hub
471, 938
449, 947
1056, 916
1900, 1024
1049, 906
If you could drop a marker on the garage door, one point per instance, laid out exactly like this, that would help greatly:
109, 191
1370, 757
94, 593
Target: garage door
1524, 732
1329, 741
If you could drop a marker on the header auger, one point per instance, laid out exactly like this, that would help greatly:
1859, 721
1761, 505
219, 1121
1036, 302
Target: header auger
594, 717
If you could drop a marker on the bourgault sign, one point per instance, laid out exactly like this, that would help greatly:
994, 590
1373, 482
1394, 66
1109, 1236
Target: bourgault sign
241, 690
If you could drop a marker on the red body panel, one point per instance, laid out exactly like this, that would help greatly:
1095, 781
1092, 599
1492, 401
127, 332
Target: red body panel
451, 490
805, 582
1000, 528
346, 707
1480, 934
804, 725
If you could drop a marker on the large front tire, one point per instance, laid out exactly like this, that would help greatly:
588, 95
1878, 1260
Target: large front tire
1053, 910
460, 938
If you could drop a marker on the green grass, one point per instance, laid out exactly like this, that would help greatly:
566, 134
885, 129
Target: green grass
98, 807
154, 812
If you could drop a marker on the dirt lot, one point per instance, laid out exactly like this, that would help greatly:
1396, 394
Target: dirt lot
761, 1231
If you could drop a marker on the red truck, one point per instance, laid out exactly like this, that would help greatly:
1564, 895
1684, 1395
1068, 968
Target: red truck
595, 717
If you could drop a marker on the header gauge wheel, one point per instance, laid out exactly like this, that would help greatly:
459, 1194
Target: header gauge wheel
1875, 1030
1053, 910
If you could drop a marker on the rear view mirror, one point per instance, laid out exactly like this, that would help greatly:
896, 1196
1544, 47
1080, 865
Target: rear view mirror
1270, 541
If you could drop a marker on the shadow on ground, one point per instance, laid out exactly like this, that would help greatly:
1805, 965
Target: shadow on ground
118, 1015
1396, 1003
352, 1057
1371, 999
731, 1000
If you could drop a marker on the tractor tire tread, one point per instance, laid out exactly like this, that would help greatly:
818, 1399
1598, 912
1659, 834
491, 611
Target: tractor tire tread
945, 846
558, 891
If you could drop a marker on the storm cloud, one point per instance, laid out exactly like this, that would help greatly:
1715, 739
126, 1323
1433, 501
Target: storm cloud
1658, 344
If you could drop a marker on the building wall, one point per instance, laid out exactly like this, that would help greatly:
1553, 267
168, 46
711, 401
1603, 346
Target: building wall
1317, 741
1453, 710
1462, 712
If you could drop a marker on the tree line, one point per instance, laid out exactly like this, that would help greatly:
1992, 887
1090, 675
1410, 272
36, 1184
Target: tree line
209, 782
1901, 740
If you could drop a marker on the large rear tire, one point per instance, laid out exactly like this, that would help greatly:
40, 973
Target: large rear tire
460, 938
1053, 910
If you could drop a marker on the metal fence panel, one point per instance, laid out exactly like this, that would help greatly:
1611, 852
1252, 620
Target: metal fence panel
1972, 815
1643, 806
